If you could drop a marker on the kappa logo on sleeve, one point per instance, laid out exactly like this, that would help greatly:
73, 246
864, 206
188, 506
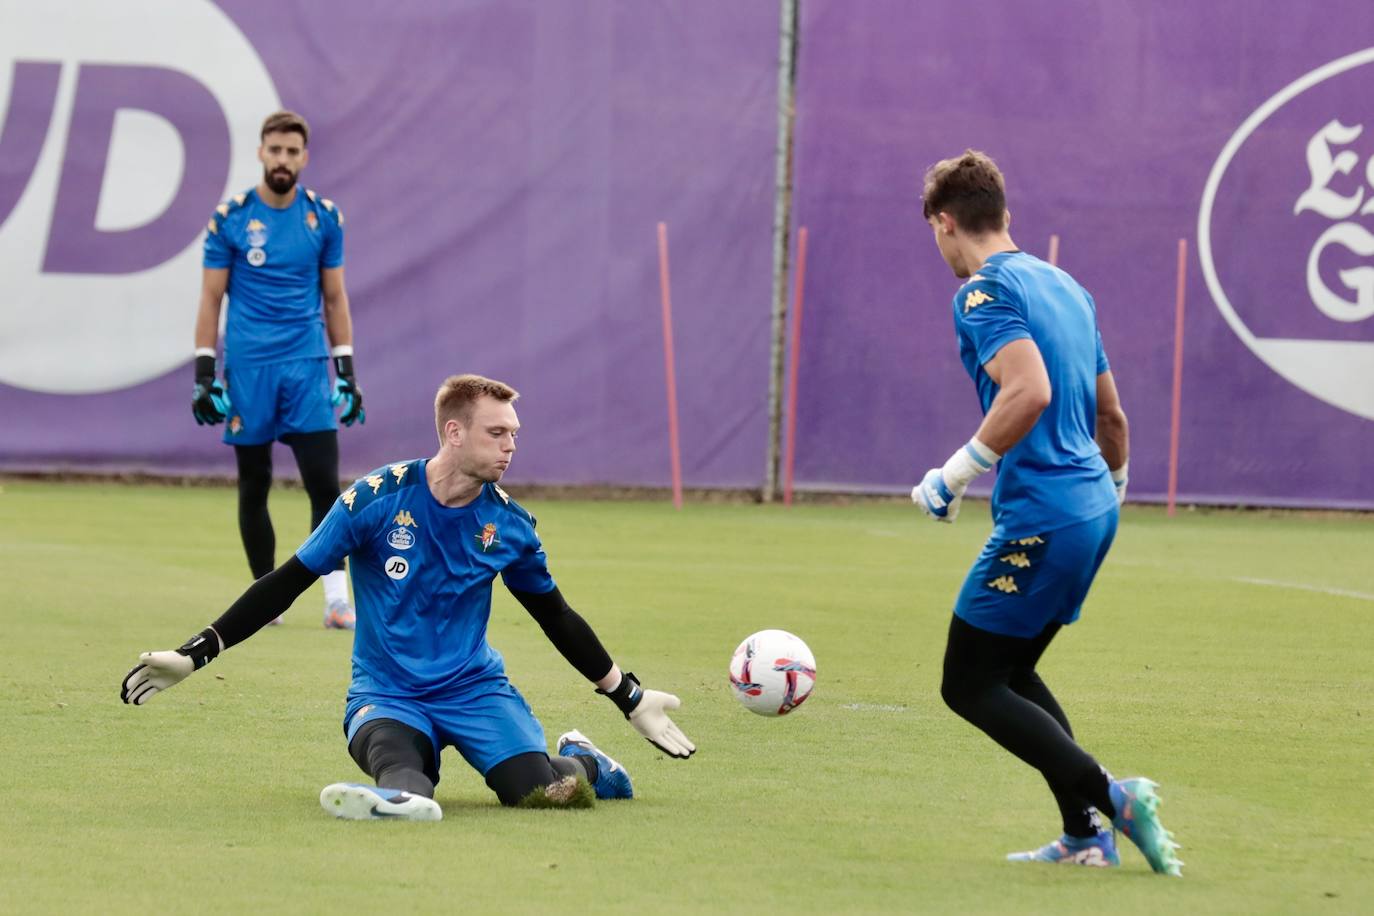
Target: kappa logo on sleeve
974, 299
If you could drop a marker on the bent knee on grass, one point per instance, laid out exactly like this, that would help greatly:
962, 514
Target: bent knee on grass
568, 792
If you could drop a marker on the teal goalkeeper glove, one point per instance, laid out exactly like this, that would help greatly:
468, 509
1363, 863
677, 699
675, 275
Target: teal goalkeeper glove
209, 402
647, 712
157, 671
347, 392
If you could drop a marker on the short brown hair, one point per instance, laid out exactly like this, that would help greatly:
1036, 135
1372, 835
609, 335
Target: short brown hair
285, 122
969, 188
459, 393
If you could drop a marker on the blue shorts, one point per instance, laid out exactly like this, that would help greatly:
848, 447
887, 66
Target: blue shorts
488, 722
273, 399
1018, 586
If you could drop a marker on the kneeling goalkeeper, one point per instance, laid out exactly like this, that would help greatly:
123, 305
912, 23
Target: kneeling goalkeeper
426, 540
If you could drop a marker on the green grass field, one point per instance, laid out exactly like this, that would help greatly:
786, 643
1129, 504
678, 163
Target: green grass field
1226, 655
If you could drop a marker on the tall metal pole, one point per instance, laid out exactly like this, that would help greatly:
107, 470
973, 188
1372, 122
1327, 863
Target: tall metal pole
782, 222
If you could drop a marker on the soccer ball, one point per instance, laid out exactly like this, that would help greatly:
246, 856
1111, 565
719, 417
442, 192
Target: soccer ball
772, 672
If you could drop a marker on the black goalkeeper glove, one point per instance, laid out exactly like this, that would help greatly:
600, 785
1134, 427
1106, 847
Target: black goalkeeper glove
156, 671
347, 392
647, 712
209, 402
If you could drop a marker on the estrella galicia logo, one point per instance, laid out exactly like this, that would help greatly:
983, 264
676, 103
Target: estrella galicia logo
1286, 233
397, 568
401, 538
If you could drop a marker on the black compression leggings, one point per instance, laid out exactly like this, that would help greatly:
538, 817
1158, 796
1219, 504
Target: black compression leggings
397, 756
990, 680
317, 458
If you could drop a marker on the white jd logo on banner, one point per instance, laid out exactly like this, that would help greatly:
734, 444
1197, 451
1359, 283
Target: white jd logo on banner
1339, 372
128, 122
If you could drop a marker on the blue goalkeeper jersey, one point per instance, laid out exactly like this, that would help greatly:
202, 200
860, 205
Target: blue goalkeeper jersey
1056, 475
422, 576
274, 259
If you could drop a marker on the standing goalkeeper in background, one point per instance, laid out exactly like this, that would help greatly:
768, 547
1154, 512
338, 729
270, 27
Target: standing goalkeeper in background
277, 249
1028, 337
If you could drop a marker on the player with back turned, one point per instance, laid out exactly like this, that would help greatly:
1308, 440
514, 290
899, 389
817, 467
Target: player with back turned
1028, 338
426, 539
278, 251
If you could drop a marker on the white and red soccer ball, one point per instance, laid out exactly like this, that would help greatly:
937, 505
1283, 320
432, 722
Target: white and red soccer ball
772, 672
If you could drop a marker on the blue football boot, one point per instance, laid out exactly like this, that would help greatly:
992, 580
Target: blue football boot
612, 781
1095, 851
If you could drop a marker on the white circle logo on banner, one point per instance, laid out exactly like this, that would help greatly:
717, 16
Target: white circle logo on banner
1322, 358
124, 141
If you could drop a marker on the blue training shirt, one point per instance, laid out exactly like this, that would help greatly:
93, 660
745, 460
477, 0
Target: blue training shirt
274, 259
422, 576
1055, 476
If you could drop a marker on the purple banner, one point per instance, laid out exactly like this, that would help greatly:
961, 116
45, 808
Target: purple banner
502, 167
1108, 120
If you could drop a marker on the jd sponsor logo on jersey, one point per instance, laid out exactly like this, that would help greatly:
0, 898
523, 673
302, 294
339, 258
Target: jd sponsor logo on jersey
117, 145
397, 568
1286, 233
401, 538
257, 257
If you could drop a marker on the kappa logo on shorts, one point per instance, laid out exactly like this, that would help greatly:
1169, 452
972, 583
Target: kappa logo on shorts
397, 568
1004, 584
1019, 559
362, 713
401, 539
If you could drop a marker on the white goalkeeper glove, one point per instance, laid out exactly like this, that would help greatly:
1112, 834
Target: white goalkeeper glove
647, 712
157, 671
1119, 479
941, 491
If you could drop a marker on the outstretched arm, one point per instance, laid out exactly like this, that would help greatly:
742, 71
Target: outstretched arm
264, 600
578, 643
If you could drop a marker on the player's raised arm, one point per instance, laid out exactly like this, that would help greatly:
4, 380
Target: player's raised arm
264, 600
646, 710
